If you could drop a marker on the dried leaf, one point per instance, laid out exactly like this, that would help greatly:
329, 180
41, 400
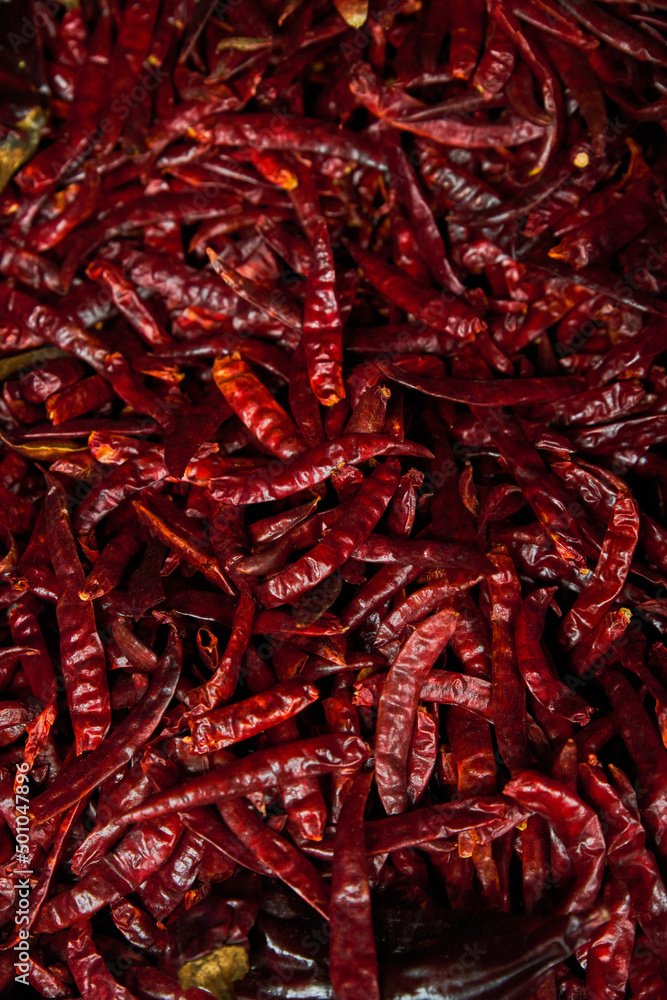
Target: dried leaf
18, 146
216, 971
28, 359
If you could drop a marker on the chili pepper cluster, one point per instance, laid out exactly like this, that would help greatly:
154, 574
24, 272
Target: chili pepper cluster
332, 490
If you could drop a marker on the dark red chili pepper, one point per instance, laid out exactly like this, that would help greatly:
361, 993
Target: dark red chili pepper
466, 34
426, 599
81, 651
137, 473
110, 757
220, 687
111, 564
129, 52
398, 706
140, 853
322, 335
277, 854
448, 131
75, 400
575, 824
630, 860
43, 173
436, 360
506, 392
90, 972
352, 955
549, 504
646, 750
269, 767
189, 547
224, 726
454, 318
273, 482
539, 676
275, 305
444, 687
508, 697
362, 515
617, 33
128, 302
606, 582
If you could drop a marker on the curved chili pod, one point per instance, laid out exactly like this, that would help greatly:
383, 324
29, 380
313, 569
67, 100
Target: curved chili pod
540, 680
398, 706
577, 826
606, 582
362, 514
627, 854
263, 769
275, 481
277, 854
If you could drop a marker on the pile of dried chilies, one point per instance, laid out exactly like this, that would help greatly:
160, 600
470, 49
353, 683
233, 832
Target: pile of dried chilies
332, 489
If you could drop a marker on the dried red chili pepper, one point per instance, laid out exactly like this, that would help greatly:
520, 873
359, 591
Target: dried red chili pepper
454, 318
128, 302
362, 514
126, 739
509, 698
508, 285
220, 687
307, 758
606, 582
352, 955
277, 854
140, 853
255, 406
646, 750
82, 655
574, 823
398, 706
630, 860
322, 335
272, 483
188, 547
224, 726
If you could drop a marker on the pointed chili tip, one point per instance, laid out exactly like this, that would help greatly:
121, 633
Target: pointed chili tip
212, 255
51, 481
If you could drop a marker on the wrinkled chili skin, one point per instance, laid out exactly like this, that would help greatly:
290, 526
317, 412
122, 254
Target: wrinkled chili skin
398, 705
333, 395
82, 655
